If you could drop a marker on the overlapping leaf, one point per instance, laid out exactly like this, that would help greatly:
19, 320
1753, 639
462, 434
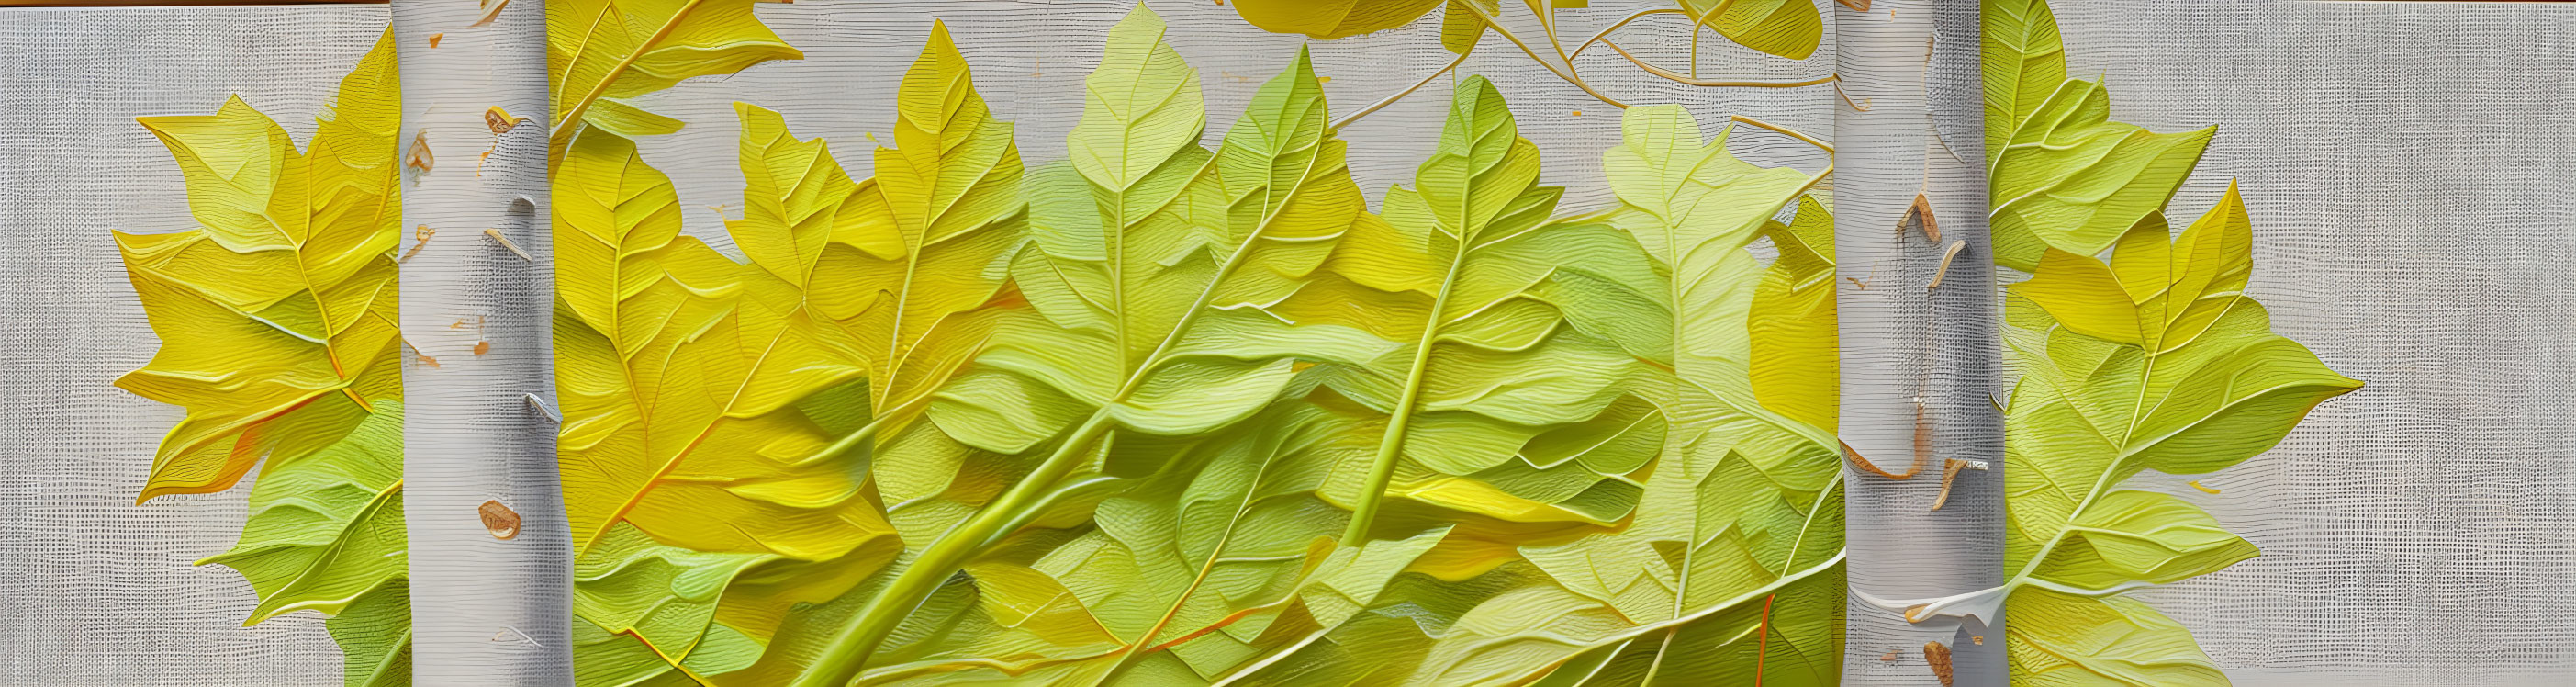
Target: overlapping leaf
1513, 413
2024, 63
1787, 28
708, 494
278, 321
2153, 360
1150, 263
2072, 179
1730, 571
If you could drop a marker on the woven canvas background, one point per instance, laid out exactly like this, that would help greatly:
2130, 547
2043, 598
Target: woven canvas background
2407, 167
95, 590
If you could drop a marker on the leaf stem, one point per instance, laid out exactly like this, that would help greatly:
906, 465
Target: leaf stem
1691, 79
1390, 446
1566, 73
1399, 95
848, 653
1792, 133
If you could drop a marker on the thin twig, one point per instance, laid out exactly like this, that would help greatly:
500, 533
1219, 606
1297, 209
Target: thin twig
1855, 106
1603, 38
1792, 133
505, 243
1678, 77
1566, 73
1399, 95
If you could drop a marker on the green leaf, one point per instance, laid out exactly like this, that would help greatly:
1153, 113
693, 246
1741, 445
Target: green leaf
2073, 180
1489, 392
1787, 28
1147, 279
2154, 361
1731, 564
327, 527
374, 634
2024, 63
278, 322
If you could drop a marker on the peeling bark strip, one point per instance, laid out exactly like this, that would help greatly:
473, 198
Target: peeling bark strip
1921, 211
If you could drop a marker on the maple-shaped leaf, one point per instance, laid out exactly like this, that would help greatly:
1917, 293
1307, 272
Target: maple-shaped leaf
278, 322
717, 413
910, 270
1731, 568
278, 315
2156, 360
1150, 261
685, 444
601, 52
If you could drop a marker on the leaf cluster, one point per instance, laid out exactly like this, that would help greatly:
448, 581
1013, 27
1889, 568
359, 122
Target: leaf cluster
1168, 412
2152, 359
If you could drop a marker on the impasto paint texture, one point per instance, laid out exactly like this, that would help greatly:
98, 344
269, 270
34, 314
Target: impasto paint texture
1167, 413
279, 335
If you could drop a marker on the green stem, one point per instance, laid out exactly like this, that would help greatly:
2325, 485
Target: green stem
1391, 445
848, 653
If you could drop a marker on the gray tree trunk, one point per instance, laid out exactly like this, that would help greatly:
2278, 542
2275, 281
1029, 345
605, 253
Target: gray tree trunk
485, 610
1918, 364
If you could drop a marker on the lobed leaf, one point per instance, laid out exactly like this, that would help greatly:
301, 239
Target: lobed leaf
278, 318
2152, 360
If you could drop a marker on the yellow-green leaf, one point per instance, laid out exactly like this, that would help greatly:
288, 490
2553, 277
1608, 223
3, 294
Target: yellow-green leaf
1330, 19
691, 453
2154, 361
1787, 28
278, 326
1731, 565
326, 527
2071, 179
2064, 640
2024, 62
602, 49
278, 316
1148, 291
